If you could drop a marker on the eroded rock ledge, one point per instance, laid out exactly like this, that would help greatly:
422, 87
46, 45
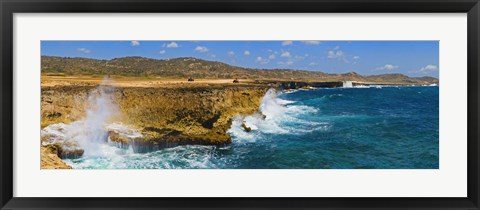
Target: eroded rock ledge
165, 117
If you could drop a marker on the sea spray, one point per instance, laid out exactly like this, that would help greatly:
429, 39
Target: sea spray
275, 116
347, 84
351, 137
88, 136
101, 107
271, 106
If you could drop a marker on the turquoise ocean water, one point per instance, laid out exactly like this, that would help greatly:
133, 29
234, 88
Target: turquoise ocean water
326, 128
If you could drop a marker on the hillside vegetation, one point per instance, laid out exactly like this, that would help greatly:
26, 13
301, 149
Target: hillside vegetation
198, 68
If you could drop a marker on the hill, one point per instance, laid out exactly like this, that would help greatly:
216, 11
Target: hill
198, 68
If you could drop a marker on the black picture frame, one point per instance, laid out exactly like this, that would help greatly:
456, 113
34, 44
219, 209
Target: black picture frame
10, 7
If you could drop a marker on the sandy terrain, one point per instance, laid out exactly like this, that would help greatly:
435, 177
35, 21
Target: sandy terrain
49, 81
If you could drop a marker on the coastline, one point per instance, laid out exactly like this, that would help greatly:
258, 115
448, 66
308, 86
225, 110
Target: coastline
165, 113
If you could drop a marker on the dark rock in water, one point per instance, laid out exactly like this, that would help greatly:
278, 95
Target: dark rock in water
142, 146
263, 116
246, 128
70, 149
114, 136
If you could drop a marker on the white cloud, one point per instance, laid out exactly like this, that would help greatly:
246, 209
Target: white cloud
84, 50
311, 42
171, 45
247, 53
289, 58
201, 49
271, 57
429, 67
336, 54
312, 64
388, 67
262, 60
285, 43
290, 62
231, 53
135, 43
213, 55
286, 54
162, 51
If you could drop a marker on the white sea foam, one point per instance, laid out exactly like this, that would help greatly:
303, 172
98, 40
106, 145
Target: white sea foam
361, 86
276, 116
347, 84
90, 133
291, 91
188, 156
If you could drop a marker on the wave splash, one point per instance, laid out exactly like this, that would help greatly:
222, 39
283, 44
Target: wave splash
86, 137
101, 108
347, 84
89, 142
275, 116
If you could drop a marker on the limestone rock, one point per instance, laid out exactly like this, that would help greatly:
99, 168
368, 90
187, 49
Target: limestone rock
50, 160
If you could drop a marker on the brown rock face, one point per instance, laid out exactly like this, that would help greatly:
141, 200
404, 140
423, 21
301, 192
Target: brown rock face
64, 104
188, 115
50, 159
165, 116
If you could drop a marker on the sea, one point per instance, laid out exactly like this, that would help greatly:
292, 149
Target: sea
363, 127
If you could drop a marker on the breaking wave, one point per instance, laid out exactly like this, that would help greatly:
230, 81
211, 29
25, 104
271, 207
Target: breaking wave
189, 156
324, 128
276, 116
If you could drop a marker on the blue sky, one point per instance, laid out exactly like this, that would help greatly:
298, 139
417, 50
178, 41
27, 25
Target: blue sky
412, 58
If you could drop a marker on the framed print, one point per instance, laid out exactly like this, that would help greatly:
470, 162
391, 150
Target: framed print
239, 105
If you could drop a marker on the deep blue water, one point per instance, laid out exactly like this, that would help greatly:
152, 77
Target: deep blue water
330, 128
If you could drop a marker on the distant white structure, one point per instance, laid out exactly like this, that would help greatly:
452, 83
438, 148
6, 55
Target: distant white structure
347, 84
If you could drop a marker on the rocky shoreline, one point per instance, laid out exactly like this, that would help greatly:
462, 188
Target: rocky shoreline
152, 117
165, 117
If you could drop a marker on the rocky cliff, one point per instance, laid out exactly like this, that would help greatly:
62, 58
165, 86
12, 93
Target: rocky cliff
165, 116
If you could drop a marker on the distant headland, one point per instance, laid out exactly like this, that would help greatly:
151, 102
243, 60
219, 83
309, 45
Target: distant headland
189, 67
